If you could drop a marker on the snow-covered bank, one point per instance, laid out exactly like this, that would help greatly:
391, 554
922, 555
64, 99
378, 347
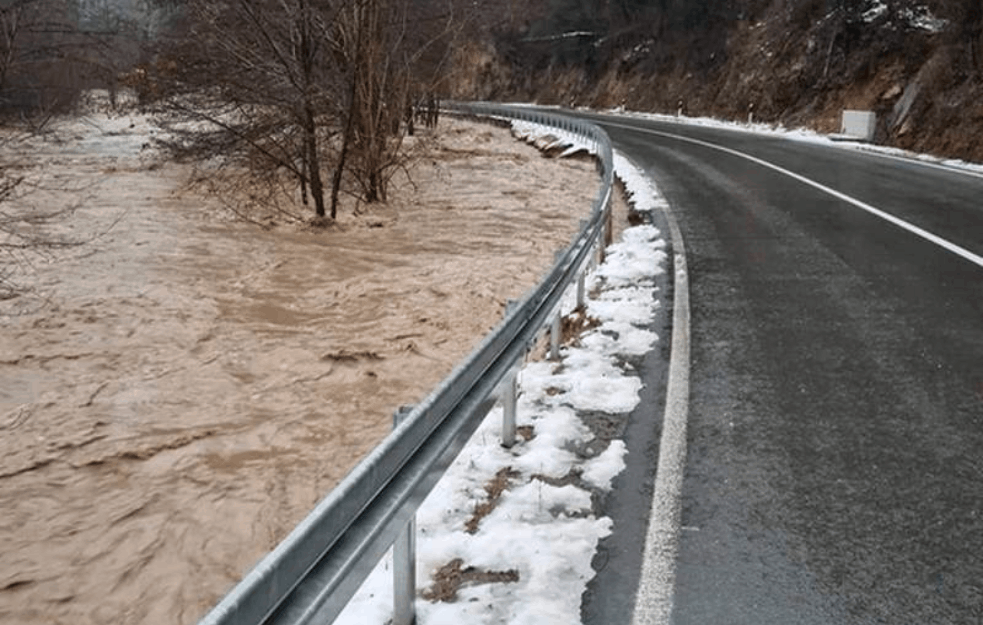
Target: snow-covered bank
526, 557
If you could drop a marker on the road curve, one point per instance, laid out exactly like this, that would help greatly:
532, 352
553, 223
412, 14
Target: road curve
834, 469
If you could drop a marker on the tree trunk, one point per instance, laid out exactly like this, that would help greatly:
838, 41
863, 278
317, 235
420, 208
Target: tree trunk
375, 191
302, 173
305, 56
313, 162
346, 139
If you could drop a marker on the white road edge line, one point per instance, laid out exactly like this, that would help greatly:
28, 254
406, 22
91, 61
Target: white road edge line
656, 587
925, 234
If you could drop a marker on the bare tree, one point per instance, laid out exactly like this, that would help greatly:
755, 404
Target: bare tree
25, 228
51, 51
377, 96
297, 88
11, 240
396, 52
33, 34
255, 78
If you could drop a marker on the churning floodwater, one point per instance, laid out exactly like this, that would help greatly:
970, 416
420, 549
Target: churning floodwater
179, 390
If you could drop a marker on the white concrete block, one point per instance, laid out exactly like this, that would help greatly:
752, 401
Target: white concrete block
859, 124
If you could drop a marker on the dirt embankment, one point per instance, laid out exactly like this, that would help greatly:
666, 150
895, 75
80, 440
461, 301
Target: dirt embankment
178, 393
794, 63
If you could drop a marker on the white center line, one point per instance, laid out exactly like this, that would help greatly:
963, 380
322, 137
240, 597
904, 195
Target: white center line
925, 234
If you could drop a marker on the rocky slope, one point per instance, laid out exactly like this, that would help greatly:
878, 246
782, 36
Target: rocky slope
919, 65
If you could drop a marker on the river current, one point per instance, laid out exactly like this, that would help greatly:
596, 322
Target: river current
181, 388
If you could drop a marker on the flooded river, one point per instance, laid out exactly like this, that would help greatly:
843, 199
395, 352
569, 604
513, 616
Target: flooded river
180, 390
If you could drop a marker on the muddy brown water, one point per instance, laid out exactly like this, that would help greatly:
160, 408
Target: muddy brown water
180, 391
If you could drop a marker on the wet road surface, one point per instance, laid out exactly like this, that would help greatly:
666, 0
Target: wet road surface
835, 449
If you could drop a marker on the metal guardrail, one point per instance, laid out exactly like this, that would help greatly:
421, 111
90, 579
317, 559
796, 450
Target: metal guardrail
319, 566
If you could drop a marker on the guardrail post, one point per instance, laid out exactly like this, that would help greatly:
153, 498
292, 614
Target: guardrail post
404, 560
582, 278
510, 397
606, 236
555, 329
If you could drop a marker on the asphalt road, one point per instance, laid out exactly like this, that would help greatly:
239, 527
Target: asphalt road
834, 467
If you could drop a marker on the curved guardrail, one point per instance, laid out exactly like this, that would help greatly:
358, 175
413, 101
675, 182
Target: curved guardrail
314, 572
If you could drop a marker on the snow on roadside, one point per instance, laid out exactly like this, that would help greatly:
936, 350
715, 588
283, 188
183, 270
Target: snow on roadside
538, 539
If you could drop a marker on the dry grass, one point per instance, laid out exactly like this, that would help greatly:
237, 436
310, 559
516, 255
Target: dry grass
499, 484
452, 577
575, 324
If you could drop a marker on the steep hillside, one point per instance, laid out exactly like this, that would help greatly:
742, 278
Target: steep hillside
919, 65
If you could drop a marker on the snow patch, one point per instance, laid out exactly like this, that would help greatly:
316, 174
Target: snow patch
546, 532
